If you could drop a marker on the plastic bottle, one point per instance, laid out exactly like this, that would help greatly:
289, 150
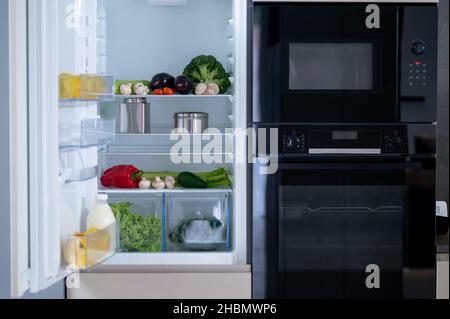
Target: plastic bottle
101, 216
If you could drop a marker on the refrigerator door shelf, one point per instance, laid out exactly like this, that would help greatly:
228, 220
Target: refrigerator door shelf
87, 133
85, 88
84, 251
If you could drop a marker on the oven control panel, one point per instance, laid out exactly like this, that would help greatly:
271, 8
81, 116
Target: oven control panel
347, 140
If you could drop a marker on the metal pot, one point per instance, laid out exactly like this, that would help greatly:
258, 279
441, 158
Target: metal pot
191, 122
135, 116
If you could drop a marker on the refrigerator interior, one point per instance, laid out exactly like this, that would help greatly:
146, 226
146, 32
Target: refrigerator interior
108, 40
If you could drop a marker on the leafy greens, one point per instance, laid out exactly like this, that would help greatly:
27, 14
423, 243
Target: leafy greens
137, 233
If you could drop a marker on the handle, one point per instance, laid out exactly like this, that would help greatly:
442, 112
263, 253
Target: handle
345, 151
350, 166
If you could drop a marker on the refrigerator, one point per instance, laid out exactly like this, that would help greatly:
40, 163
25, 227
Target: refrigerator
62, 142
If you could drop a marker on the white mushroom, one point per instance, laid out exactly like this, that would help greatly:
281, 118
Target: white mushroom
158, 183
170, 182
140, 89
201, 89
125, 89
145, 184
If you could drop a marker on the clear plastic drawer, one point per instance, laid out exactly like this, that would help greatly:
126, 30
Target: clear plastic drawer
198, 222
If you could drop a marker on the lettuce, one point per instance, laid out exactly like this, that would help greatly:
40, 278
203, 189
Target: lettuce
137, 233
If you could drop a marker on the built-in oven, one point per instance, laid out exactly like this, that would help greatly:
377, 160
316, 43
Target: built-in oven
344, 63
349, 213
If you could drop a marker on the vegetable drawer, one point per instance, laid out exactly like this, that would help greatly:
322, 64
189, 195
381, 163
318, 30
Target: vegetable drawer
198, 222
140, 221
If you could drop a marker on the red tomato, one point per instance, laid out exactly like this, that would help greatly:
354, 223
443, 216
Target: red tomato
158, 92
169, 91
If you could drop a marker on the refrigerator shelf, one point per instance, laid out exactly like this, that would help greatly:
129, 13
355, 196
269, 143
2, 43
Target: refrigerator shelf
176, 96
87, 133
170, 259
144, 192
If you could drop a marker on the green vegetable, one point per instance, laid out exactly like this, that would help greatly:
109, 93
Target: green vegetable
120, 82
206, 69
190, 180
218, 178
137, 233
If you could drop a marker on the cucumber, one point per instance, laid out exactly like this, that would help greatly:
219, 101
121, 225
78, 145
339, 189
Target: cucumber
190, 180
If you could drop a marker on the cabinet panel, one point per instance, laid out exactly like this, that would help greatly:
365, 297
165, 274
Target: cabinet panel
163, 286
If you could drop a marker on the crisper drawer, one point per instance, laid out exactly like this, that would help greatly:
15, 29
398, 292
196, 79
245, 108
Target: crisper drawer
140, 221
200, 222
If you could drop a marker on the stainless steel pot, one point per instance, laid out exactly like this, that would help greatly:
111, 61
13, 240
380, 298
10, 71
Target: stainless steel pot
135, 116
191, 122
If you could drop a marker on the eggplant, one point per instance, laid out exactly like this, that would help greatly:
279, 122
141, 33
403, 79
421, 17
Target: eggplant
184, 85
162, 80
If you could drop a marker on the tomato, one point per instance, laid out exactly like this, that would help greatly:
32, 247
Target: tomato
158, 92
169, 91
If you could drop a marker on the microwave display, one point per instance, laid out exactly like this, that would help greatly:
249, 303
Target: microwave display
331, 66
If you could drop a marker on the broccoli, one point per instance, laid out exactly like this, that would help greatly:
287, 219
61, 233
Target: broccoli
206, 69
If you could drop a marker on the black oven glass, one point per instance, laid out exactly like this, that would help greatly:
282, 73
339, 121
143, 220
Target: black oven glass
335, 232
331, 66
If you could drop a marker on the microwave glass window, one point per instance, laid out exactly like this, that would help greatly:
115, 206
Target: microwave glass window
331, 66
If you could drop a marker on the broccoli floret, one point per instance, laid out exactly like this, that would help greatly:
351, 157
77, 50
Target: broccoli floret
206, 69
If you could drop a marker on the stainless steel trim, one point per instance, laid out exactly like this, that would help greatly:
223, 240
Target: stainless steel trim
360, 151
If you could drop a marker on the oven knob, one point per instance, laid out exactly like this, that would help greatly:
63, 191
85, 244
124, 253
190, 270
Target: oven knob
418, 47
294, 143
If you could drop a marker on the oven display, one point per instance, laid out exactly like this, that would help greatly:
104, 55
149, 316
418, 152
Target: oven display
345, 135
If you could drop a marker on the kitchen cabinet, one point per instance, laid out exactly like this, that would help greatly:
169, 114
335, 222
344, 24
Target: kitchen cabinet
75, 52
191, 282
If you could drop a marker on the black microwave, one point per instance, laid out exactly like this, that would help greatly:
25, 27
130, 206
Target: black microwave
344, 63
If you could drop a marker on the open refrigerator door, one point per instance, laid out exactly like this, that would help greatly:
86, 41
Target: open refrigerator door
76, 52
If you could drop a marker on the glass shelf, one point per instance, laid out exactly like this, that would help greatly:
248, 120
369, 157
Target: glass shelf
87, 133
229, 97
145, 192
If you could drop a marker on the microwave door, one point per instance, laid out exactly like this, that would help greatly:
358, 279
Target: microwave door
320, 63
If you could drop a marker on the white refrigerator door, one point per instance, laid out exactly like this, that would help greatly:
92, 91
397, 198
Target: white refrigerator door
50, 37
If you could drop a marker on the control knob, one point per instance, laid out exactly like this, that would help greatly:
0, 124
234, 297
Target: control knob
418, 47
294, 143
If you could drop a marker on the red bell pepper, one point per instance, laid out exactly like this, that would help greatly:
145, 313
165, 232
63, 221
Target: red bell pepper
122, 176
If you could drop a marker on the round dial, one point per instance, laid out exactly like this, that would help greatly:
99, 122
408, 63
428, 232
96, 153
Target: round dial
294, 143
418, 47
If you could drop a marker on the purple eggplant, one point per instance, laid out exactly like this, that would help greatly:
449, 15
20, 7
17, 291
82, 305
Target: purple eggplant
161, 81
183, 85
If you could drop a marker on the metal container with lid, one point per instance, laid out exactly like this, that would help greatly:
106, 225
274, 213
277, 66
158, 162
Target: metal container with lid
135, 116
191, 122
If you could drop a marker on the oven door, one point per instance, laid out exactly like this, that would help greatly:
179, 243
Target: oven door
321, 63
345, 230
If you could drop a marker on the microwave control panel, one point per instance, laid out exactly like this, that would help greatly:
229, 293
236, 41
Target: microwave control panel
372, 140
418, 64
